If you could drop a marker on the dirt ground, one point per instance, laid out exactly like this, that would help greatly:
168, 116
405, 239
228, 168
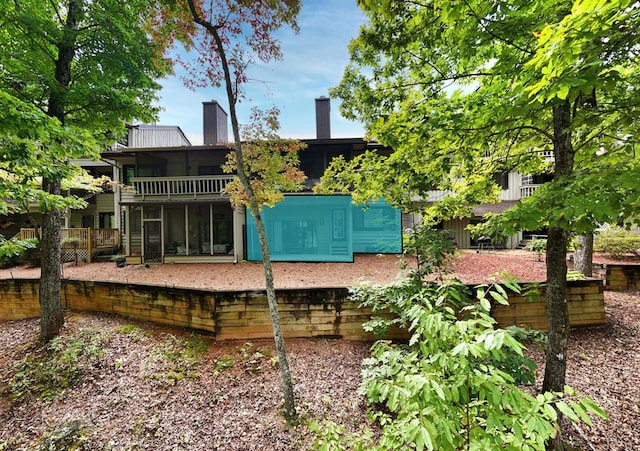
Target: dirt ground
137, 395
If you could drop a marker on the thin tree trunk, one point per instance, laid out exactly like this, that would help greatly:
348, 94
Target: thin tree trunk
557, 310
254, 207
558, 317
583, 255
51, 315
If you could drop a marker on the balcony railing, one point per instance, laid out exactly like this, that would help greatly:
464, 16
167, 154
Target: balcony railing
527, 190
168, 187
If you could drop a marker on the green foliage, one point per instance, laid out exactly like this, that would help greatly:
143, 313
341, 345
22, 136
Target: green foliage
431, 248
617, 242
223, 363
444, 117
134, 331
180, 358
97, 65
539, 246
455, 384
47, 371
270, 162
575, 275
13, 251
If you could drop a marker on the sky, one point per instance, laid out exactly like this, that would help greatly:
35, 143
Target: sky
313, 61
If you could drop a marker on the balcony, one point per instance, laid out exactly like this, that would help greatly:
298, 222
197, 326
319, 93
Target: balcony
180, 187
527, 190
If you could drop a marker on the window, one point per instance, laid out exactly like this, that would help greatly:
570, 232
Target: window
502, 179
374, 218
210, 170
128, 172
106, 220
299, 236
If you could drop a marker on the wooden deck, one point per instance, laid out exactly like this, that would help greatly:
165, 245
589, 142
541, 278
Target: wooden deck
91, 242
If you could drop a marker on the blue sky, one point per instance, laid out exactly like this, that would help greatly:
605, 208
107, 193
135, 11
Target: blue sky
313, 62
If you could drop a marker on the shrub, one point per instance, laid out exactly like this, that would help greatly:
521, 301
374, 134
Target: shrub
431, 248
456, 384
15, 251
538, 246
617, 242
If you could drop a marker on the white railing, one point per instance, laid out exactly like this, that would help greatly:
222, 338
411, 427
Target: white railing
180, 186
527, 190
546, 154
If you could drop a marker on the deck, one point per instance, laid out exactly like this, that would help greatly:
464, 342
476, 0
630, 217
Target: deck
85, 243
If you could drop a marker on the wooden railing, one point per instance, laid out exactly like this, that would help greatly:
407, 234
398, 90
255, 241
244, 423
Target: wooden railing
527, 190
180, 186
89, 241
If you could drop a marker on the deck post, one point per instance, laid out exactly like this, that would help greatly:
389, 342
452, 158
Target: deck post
89, 245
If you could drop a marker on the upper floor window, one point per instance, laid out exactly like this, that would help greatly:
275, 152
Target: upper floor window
210, 170
502, 179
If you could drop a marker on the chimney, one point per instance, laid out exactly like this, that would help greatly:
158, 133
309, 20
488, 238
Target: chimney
214, 124
323, 120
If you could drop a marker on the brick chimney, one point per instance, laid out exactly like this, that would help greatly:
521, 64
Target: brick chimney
214, 124
323, 118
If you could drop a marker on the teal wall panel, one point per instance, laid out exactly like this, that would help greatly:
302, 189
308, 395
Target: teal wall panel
325, 229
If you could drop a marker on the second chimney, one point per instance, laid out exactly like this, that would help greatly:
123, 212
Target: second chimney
214, 124
323, 118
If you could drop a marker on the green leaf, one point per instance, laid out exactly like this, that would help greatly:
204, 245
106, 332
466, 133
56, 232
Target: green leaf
567, 411
563, 92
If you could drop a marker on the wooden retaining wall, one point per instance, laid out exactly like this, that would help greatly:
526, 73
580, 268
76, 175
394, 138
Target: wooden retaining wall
618, 277
315, 312
586, 307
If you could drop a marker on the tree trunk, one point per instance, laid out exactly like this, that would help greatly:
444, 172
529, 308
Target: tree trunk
51, 316
558, 317
285, 372
557, 310
583, 256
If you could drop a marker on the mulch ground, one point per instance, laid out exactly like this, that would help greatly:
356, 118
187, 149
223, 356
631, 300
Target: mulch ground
138, 395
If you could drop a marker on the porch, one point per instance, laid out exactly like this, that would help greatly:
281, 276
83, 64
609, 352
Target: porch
88, 242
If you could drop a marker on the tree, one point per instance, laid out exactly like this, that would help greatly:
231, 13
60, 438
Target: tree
95, 66
236, 32
463, 90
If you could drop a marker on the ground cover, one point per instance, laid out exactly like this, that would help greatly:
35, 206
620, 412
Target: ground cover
139, 386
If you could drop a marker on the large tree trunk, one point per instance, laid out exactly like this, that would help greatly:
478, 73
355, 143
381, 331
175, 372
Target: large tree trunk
557, 310
583, 255
51, 316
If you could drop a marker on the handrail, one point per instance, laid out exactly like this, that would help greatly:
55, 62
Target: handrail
181, 186
527, 190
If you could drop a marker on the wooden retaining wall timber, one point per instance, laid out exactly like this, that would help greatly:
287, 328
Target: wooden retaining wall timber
585, 301
618, 277
315, 312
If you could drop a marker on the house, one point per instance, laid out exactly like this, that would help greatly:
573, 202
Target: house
167, 203
171, 206
514, 187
